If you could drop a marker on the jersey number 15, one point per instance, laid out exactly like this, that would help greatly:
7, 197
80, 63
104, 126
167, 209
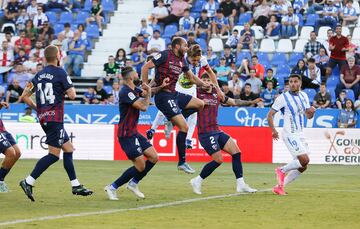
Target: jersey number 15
46, 95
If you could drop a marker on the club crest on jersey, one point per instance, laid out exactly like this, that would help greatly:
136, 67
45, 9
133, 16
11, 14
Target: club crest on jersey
214, 147
175, 109
131, 95
156, 57
139, 149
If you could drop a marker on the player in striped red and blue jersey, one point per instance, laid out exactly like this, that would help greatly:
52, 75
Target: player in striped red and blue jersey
214, 140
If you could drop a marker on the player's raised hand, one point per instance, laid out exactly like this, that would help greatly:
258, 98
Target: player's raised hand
165, 82
4, 104
206, 86
275, 135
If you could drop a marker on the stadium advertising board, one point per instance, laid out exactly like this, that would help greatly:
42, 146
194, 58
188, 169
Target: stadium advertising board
327, 146
229, 116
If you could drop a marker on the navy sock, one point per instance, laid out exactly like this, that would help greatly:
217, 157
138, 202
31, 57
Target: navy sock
138, 177
237, 165
208, 169
3, 173
43, 164
187, 112
125, 177
180, 142
69, 165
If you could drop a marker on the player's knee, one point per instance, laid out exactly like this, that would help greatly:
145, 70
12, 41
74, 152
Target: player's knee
11, 154
184, 128
17, 154
304, 161
154, 159
218, 157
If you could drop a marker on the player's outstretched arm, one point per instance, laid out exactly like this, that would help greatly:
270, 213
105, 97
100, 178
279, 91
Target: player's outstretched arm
310, 112
240, 103
71, 93
143, 103
195, 80
270, 119
212, 75
145, 71
156, 89
25, 97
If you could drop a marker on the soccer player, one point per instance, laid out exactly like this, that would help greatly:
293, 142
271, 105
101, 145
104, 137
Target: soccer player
50, 86
214, 140
176, 106
10, 149
132, 100
293, 104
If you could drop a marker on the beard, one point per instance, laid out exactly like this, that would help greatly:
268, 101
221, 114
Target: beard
137, 82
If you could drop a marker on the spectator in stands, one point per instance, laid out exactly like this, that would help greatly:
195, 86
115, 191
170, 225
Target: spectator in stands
254, 81
20, 75
236, 84
61, 40
6, 55
97, 15
352, 47
223, 71
244, 68
67, 32
229, 9
325, 43
14, 92
30, 64
247, 39
226, 90
203, 26
101, 94
273, 27
261, 14
248, 95
357, 105
270, 77
220, 24
233, 69
177, 11
140, 41
21, 57
23, 43
46, 33
120, 57
59, 4
159, 12
312, 47
110, 100
186, 24
317, 5
39, 18
156, 43
75, 54
313, 73
30, 31
139, 58
279, 8
321, 61
289, 23
234, 39
260, 70
338, 45
341, 100
300, 6
349, 77
348, 14
89, 96
330, 16
115, 91
111, 68
31, 10
38, 51
191, 39
145, 29
211, 7
248, 5
300, 68
21, 20
322, 99
268, 95
211, 57
348, 115
11, 12
83, 34
230, 58
11, 41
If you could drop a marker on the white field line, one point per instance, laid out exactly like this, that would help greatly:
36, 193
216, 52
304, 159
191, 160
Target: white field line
111, 211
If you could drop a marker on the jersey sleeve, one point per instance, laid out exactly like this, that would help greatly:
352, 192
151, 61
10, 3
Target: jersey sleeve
160, 58
128, 97
66, 81
279, 103
204, 63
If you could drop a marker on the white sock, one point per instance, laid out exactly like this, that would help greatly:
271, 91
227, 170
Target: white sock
112, 187
199, 179
191, 122
158, 119
30, 180
292, 175
75, 183
240, 181
295, 164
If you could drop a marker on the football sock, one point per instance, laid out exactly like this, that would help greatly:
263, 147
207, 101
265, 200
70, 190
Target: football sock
180, 142
158, 119
187, 112
208, 169
125, 177
139, 176
3, 173
69, 167
191, 122
44, 163
237, 165
295, 164
291, 176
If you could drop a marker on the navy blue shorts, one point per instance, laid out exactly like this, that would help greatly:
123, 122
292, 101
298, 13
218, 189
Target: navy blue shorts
56, 135
134, 146
213, 142
171, 103
6, 141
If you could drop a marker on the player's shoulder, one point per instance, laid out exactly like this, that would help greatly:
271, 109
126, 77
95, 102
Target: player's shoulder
161, 55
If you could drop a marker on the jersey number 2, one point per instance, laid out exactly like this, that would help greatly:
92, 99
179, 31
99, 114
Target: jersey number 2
46, 95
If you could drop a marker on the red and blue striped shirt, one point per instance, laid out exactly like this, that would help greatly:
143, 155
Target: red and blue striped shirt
207, 118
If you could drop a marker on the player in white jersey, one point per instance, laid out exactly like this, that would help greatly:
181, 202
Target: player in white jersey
294, 105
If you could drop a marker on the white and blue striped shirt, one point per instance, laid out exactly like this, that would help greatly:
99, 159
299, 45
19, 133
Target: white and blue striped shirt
293, 107
349, 11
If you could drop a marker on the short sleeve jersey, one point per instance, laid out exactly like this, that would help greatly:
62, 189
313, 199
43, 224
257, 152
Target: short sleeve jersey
207, 118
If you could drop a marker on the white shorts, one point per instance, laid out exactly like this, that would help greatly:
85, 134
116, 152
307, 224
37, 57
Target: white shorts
296, 144
188, 91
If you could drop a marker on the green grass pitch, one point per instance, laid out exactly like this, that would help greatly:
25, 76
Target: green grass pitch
324, 197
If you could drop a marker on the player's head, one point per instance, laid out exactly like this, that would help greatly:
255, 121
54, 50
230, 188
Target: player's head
194, 54
51, 54
179, 46
295, 83
129, 74
206, 78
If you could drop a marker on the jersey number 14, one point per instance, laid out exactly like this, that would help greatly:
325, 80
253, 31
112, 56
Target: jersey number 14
46, 95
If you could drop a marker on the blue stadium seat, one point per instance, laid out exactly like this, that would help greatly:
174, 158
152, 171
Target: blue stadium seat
52, 17
74, 27
87, 5
350, 94
81, 17
336, 72
295, 57
331, 91
263, 58
167, 40
169, 31
55, 10
195, 15
278, 59
92, 31
202, 44
244, 18
58, 28
311, 94
66, 17
332, 82
157, 27
283, 69
311, 19
197, 6
89, 45
281, 80
241, 56
301, 20
108, 5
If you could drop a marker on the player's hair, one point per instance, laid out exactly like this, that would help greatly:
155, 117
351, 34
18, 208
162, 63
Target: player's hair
194, 51
125, 72
50, 53
295, 76
176, 41
205, 76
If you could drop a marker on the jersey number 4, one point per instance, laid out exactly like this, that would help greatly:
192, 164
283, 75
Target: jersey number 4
46, 95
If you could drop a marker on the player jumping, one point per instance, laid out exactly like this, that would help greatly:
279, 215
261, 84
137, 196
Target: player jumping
176, 106
132, 100
10, 149
293, 104
50, 86
214, 140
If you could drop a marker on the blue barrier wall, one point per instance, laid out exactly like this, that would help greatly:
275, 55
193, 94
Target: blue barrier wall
228, 116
